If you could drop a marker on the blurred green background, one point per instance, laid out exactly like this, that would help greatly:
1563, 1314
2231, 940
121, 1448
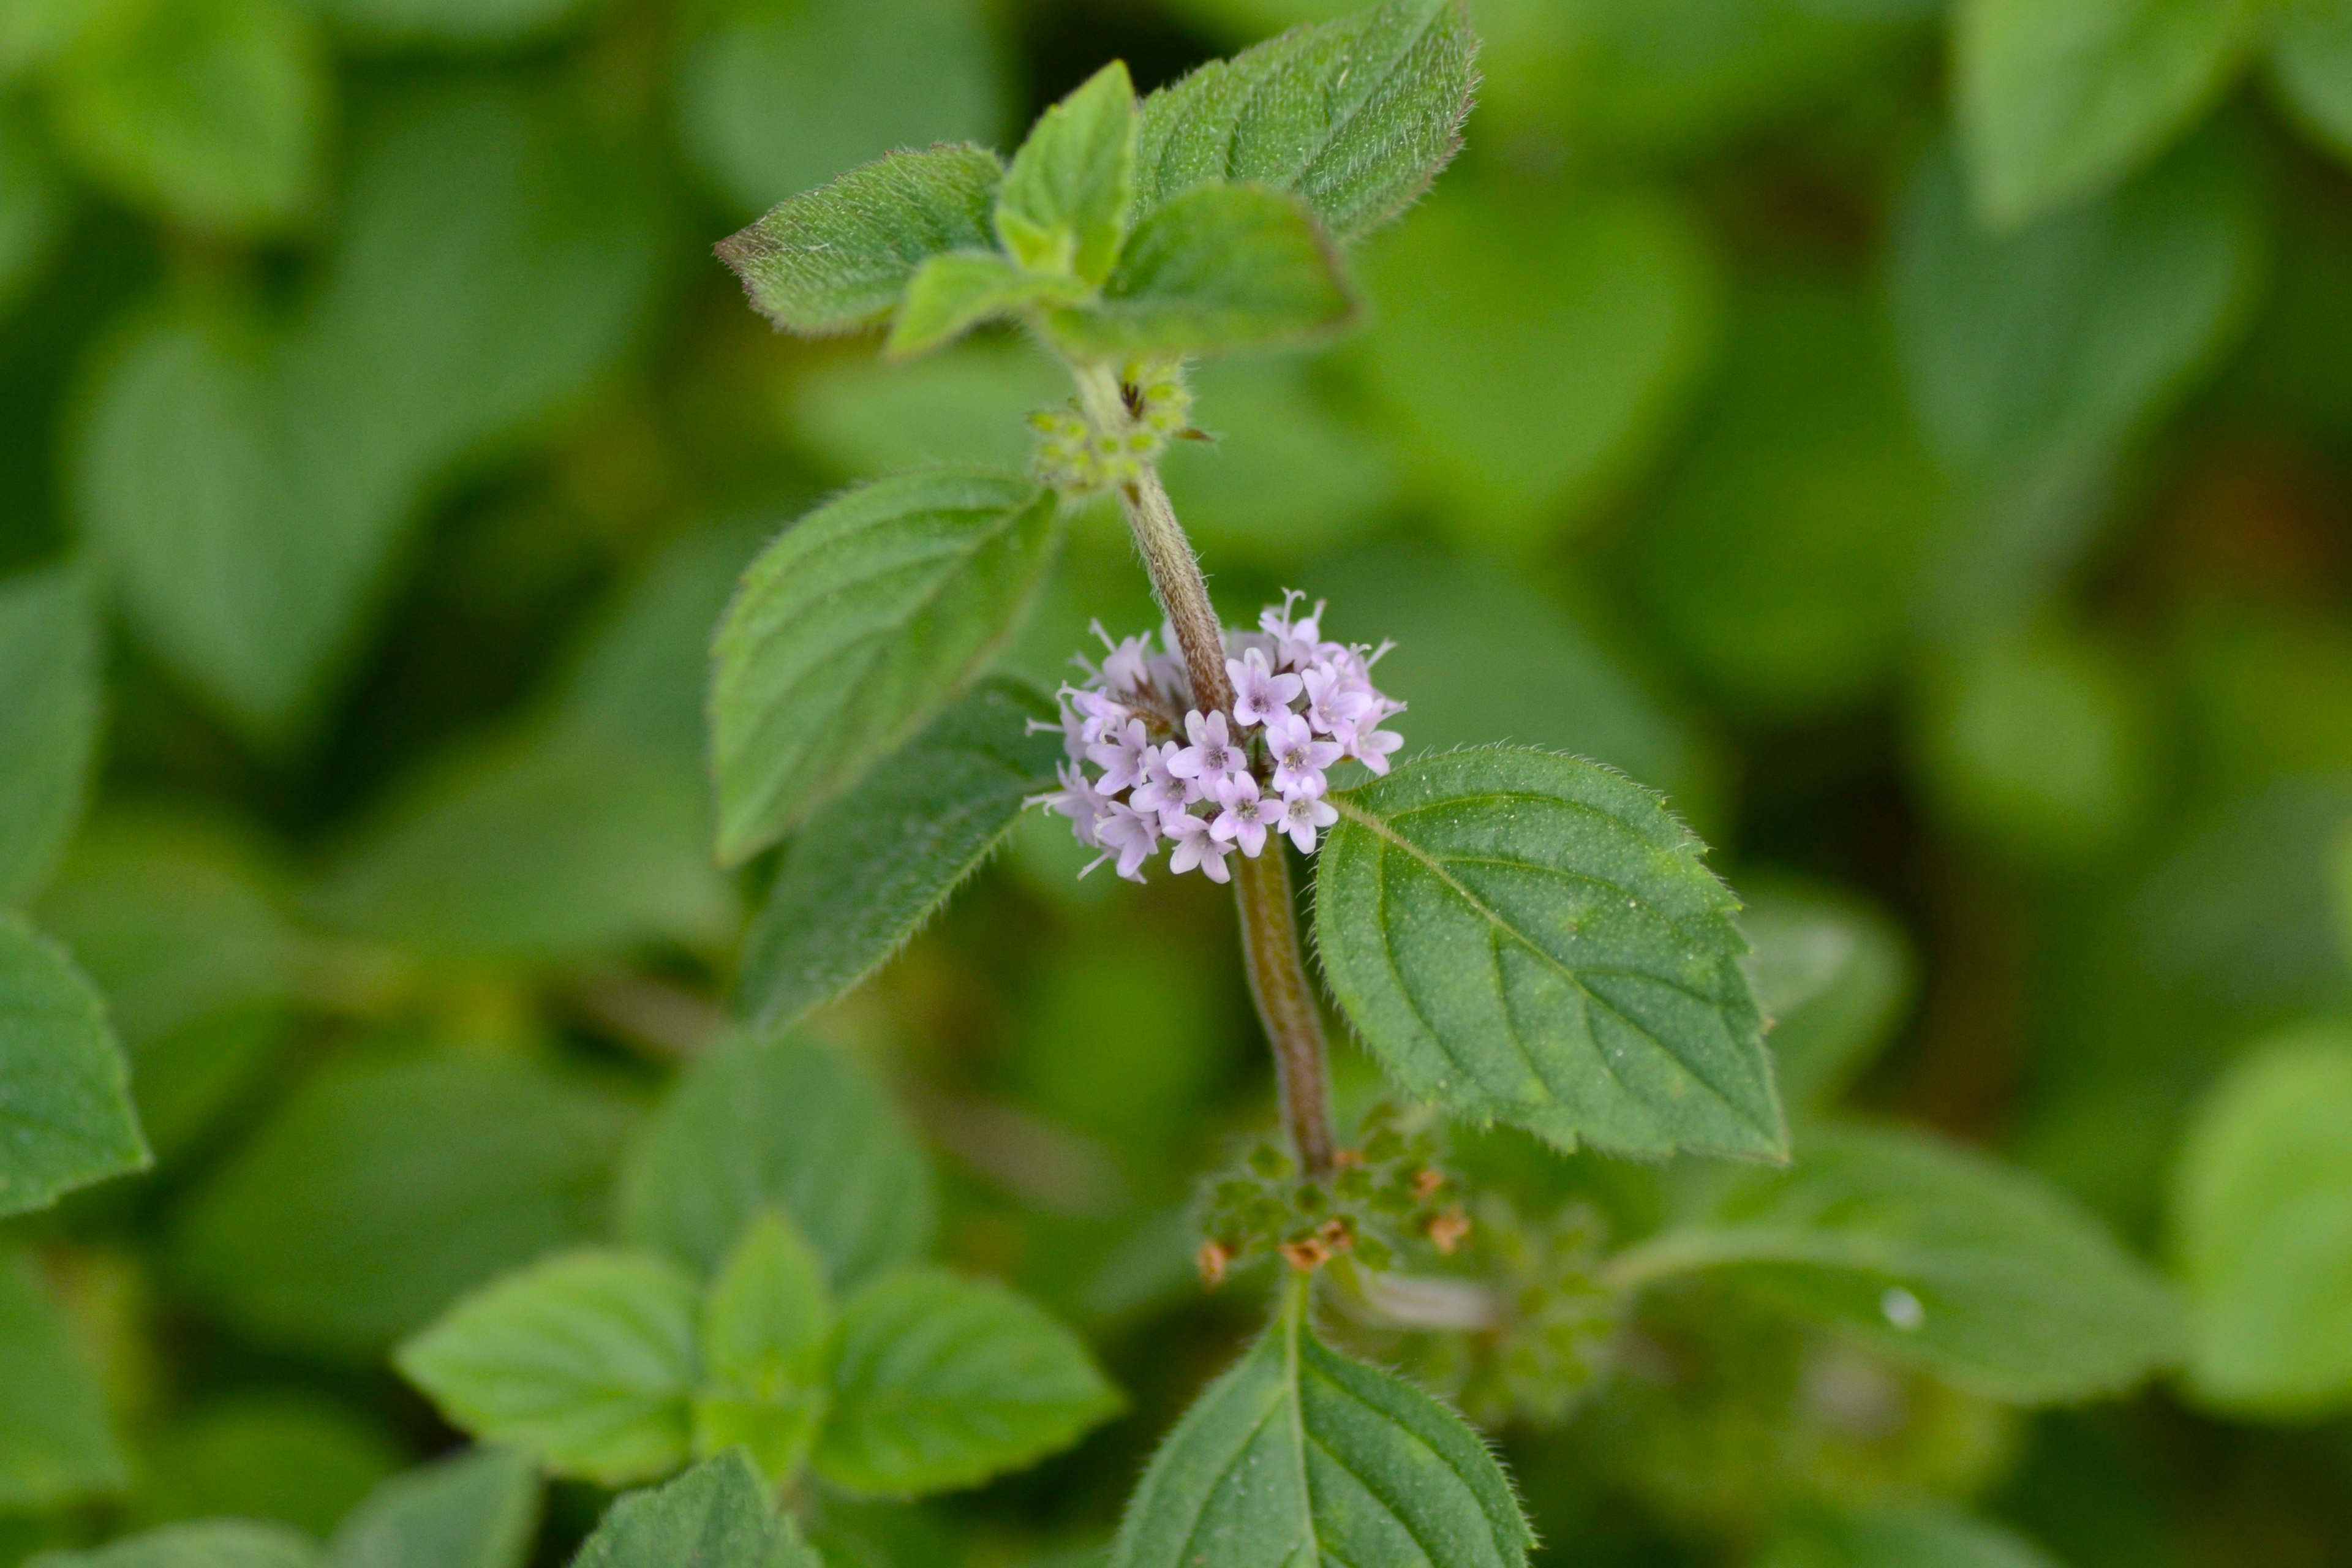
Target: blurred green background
1983, 591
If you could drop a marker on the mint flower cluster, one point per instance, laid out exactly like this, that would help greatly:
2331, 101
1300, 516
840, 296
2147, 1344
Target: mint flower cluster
1206, 784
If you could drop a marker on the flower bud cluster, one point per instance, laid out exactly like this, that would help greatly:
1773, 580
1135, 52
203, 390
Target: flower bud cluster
1074, 457
1205, 784
1385, 1194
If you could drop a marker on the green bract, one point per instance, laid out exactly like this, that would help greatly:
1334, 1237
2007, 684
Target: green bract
1532, 939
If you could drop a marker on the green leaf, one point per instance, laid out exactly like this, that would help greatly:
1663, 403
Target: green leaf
767, 1334
49, 712
1063, 208
1356, 117
870, 868
2069, 334
779, 1120
715, 1516
954, 292
941, 1381
65, 1116
403, 25
776, 96
209, 111
1920, 1536
840, 258
386, 1185
2261, 1221
57, 1441
586, 1361
299, 1459
1533, 345
206, 1543
1981, 1273
2056, 100
2311, 63
1533, 938
855, 628
1833, 974
1220, 267
475, 1510
1297, 1455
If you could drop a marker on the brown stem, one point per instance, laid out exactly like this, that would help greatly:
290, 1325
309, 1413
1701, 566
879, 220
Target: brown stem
1269, 920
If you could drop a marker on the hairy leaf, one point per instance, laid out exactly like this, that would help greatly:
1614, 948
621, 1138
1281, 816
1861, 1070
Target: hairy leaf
957, 291
1220, 267
1356, 116
855, 628
586, 1361
839, 257
383, 1187
1063, 207
943, 1381
779, 1120
65, 1116
205, 1543
48, 711
2056, 100
1985, 1275
57, 1441
476, 1510
1300, 1456
2262, 1229
767, 1333
717, 1515
870, 868
1532, 937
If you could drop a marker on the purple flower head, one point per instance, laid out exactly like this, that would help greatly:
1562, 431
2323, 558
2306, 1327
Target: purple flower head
1195, 845
1258, 693
1304, 816
1246, 816
1120, 755
1299, 758
1160, 790
1336, 700
1212, 757
1129, 834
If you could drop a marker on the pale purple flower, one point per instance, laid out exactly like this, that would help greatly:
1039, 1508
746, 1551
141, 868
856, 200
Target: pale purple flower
1212, 757
1299, 758
1295, 641
1258, 693
1098, 713
1371, 748
1336, 700
1246, 816
1077, 799
1160, 790
1120, 755
1125, 667
1303, 816
1195, 845
1129, 834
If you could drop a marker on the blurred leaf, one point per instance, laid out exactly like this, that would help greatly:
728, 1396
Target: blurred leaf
1785, 552
250, 482
585, 1361
2068, 334
210, 111
478, 1510
1219, 268
1482, 656
839, 257
1292, 475
206, 1543
767, 1333
2262, 1229
2058, 98
1606, 1005
1533, 344
65, 1116
1297, 1455
386, 1185
293, 1457
959, 409
32, 205
1062, 207
2040, 743
779, 96
1833, 974
56, 1441
779, 1120
2311, 64
941, 1381
1978, 1272
1355, 117
452, 24
868, 871
717, 1515
1914, 1537
49, 712
177, 920
855, 628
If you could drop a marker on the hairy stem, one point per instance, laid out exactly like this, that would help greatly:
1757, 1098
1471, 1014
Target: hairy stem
1269, 919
